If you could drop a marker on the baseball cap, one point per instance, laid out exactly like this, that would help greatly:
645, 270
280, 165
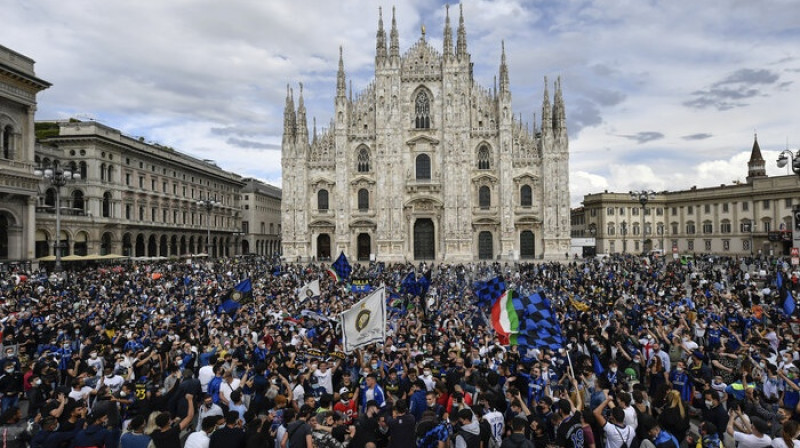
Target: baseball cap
344, 390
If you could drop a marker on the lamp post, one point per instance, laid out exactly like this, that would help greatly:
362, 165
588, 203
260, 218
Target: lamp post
57, 177
643, 196
208, 205
592, 233
624, 228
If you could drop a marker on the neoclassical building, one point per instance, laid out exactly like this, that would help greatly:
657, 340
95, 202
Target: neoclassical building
425, 164
742, 218
134, 198
261, 218
18, 186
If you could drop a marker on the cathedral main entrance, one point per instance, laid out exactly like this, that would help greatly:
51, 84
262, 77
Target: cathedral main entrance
485, 249
323, 247
364, 246
424, 240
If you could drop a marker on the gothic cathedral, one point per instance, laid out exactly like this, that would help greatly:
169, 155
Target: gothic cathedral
424, 164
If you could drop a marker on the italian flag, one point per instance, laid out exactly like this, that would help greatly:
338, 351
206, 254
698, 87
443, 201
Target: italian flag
334, 275
504, 317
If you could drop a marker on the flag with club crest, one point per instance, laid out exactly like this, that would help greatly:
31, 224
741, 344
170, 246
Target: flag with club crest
365, 322
308, 291
340, 269
486, 292
538, 326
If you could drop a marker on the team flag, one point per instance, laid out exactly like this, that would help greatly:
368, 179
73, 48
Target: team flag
236, 296
365, 322
789, 304
538, 325
505, 320
486, 292
309, 290
341, 267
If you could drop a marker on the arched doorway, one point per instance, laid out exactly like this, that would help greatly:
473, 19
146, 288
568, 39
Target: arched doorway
127, 246
183, 246
245, 247
162, 246
105, 244
3, 237
485, 246
152, 247
80, 245
364, 246
323, 247
173, 245
42, 244
424, 240
139, 246
527, 245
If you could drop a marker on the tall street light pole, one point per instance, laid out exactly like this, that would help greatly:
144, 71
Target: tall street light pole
784, 158
57, 177
643, 197
208, 205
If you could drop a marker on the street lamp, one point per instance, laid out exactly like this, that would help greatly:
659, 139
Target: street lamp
785, 156
643, 196
208, 205
592, 233
624, 228
57, 177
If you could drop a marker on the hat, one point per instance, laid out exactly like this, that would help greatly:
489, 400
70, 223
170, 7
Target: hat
698, 354
344, 390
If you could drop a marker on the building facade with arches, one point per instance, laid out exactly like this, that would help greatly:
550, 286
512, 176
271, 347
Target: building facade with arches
425, 164
18, 186
134, 198
261, 218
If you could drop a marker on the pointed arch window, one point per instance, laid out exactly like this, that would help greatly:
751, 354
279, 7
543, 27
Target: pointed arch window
484, 197
363, 160
422, 110
423, 167
484, 158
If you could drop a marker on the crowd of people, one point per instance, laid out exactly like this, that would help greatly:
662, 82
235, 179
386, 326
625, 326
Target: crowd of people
657, 353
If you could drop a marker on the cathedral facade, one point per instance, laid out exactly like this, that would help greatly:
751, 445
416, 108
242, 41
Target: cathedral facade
424, 164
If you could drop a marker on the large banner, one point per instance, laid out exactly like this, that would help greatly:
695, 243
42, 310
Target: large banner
365, 322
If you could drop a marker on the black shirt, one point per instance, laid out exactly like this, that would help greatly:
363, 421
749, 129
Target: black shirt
167, 439
401, 430
227, 437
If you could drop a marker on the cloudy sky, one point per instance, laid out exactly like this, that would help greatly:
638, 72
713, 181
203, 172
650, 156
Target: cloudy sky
660, 94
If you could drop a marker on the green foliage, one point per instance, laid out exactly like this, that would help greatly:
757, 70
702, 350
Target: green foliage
45, 130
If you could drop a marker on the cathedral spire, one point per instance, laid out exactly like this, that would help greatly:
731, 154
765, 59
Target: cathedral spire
756, 166
380, 45
559, 114
289, 117
547, 122
302, 124
314, 137
394, 45
341, 85
503, 70
447, 51
461, 43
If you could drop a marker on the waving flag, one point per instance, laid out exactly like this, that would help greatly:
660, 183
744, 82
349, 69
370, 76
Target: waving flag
505, 319
341, 267
308, 291
487, 292
365, 322
789, 304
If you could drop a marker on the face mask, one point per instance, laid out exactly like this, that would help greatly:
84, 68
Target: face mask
9, 354
123, 394
37, 382
110, 375
613, 370
709, 403
374, 366
345, 402
93, 355
427, 373
10, 370
679, 369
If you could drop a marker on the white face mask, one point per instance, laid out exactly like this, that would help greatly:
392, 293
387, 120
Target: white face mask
38, 382
709, 403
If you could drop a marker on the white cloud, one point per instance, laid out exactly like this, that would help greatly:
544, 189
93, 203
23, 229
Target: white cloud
209, 77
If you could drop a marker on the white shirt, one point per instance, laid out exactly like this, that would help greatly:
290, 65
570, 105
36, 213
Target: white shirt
496, 424
205, 375
325, 379
630, 417
225, 389
299, 394
779, 443
197, 439
616, 435
114, 383
203, 413
750, 441
82, 394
